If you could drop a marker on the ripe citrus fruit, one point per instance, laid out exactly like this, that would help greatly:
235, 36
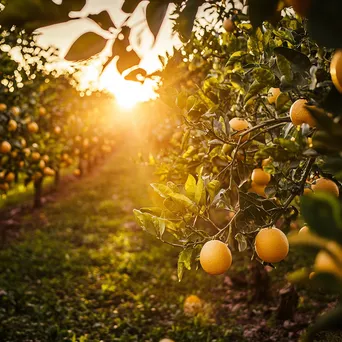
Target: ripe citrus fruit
33, 127
299, 114
3, 107
326, 185
215, 257
312, 275
273, 94
4, 186
5, 147
239, 125
336, 70
193, 305
258, 189
166, 340
260, 177
41, 164
46, 158
228, 25
48, 171
324, 262
77, 172
35, 156
15, 111
42, 111
266, 162
10, 177
307, 191
271, 245
57, 130
12, 125
23, 142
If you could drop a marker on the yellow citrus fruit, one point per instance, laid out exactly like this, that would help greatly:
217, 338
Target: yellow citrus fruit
15, 111
35, 156
271, 245
21, 164
4, 186
46, 158
273, 94
239, 125
304, 230
3, 107
193, 305
228, 25
324, 262
300, 6
27, 151
5, 147
48, 171
23, 142
12, 125
77, 172
336, 70
166, 340
57, 130
14, 154
326, 185
258, 189
42, 111
215, 257
86, 142
299, 114
41, 164
10, 177
260, 177
33, 127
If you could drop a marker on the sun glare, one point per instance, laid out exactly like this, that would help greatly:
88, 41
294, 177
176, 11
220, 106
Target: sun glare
127, 93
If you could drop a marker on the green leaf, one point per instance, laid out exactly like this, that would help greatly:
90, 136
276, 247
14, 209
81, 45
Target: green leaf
322, 212
190, 187
186, 19
284, 67
254, 89
162, 190
213, 187
299, 61
185, 202
264, 76
261, 10
200, 192
184, 261
86, 46
155, 14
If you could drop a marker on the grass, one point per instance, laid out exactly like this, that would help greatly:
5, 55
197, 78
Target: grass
81, 270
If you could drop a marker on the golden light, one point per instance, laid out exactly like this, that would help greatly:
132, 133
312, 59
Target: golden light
127, 93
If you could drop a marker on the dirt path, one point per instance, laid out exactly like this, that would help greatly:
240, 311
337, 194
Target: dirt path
81, 270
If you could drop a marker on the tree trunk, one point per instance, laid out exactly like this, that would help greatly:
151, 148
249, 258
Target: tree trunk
57, 179
38, 186
288, 302
260, 282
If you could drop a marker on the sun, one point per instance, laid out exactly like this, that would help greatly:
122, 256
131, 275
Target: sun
127, 93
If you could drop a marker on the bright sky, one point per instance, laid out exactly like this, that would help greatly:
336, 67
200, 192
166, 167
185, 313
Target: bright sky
127, 93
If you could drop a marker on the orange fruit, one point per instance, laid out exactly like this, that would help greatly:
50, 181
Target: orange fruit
260, 177
10, 177
326, 185
336, 70
46, 158
193, 305
42, 111
324, 262
48, 171
57, 130
239, 125
77, 172
166, 340
23, 142
228, 25
12, 125
215, 257
35, 156
15, 111
5, 147
307, 191
33, 127
41, 164
4, 186
258, 189
3, 107
299, 114
27, 151
312, 275
271, 245
273, 94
